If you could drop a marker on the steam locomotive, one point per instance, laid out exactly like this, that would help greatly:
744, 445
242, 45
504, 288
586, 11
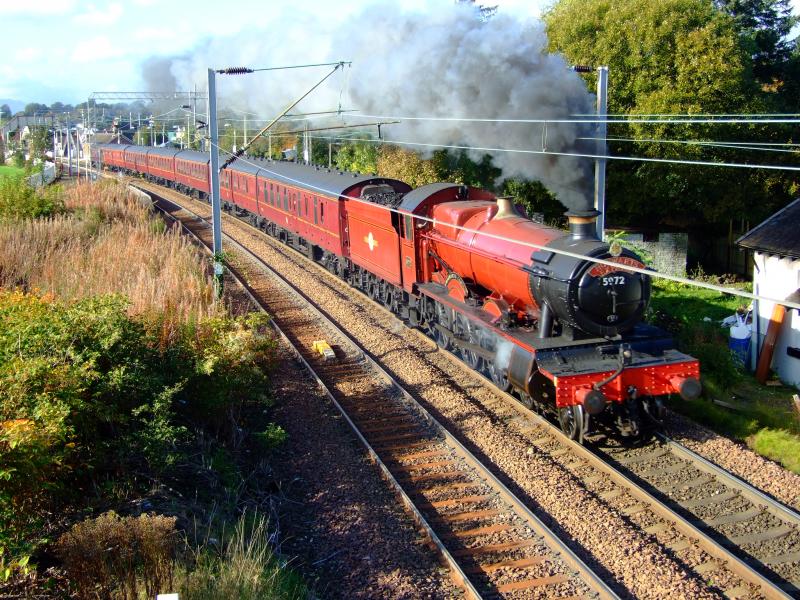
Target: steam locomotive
564, 334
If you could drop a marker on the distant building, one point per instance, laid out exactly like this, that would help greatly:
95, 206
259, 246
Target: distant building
776, 274
16, 128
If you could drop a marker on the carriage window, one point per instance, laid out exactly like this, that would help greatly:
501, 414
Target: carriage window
407, 229
316, 204
285, 200
322, 211
306, 202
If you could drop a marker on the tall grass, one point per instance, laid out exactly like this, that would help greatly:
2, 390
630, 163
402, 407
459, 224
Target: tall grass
107, 241
244, 568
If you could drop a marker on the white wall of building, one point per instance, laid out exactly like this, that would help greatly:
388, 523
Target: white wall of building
777, 277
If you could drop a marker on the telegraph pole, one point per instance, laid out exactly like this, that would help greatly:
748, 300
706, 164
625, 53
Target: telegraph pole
602, 149
215, 199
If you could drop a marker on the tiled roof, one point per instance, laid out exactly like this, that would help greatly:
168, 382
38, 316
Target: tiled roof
779, 234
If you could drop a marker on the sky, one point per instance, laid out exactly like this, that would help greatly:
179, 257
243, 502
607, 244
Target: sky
63, 50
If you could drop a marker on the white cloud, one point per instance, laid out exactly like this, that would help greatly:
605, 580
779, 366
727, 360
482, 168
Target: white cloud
99, 17
98, 48
21, 8
27, 54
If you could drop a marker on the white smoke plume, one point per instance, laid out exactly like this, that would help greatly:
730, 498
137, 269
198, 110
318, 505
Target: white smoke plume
445, 62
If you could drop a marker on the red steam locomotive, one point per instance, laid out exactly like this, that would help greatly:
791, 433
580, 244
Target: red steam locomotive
564, 333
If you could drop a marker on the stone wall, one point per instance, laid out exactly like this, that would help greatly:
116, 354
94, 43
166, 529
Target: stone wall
665, 252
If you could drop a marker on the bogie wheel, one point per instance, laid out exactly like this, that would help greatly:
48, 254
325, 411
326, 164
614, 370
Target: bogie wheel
573, 421
526, 400
655, 410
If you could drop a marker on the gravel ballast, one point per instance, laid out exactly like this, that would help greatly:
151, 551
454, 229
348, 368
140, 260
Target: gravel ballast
338, 516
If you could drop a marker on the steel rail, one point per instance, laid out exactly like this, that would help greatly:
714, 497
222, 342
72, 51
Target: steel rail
556, 545
752, 493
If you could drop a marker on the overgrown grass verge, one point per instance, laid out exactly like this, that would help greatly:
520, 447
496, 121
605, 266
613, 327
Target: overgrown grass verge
242, 567
762, 416
122, 385
7, 170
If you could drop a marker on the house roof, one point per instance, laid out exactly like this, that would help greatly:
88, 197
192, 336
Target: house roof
111, 138
779, 234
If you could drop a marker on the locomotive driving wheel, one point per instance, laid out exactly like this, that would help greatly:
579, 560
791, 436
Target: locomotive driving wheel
573, 421
468, 332
441, 334
499, 376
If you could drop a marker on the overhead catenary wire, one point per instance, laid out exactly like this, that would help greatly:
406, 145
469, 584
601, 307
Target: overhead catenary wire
693, 115
593, 119
757, 147
648, 272
704, 163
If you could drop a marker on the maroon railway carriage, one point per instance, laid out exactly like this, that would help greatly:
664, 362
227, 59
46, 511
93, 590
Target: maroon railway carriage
191, 172
564, 333
161, 164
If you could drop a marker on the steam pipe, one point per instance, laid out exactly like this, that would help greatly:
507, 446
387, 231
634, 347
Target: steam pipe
545, 321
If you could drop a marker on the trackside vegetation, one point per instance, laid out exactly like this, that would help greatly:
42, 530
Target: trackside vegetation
134, 410
733, 403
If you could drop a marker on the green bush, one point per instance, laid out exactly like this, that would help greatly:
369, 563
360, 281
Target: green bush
88, 392
18, 200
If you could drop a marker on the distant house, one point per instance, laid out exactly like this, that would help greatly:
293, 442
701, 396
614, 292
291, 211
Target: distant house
16, 128
110, 138
776, 274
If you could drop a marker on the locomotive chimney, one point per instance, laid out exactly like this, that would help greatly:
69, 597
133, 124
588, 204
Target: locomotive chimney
582, 224
505, 208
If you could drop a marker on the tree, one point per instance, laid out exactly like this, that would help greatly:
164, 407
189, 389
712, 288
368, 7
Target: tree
764, 26
407, 166
360, 156
484, 12
38, 142
458, 167
670, 57
5, 112
35, 107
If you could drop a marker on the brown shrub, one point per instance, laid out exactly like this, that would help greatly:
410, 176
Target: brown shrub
112, 556
108, 242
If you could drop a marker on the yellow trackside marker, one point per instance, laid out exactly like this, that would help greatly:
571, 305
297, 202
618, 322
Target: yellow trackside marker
324, 349
371, 242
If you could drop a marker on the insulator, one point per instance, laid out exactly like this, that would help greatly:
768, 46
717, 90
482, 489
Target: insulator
235, 71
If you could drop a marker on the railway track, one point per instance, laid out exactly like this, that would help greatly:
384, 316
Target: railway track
632, 479
494, 545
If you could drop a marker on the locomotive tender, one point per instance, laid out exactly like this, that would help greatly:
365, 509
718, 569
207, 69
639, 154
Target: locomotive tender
564, 334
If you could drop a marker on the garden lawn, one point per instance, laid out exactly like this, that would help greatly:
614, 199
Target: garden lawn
761, 416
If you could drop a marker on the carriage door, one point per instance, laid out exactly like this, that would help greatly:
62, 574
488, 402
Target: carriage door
408, 257
343, 229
